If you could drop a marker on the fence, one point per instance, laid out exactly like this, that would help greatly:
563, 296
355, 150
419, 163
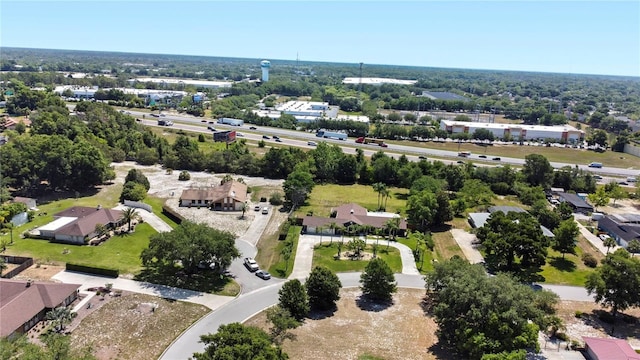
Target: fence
632, 149
24, 262
138, 205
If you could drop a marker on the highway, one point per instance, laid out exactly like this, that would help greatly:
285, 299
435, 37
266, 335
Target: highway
300, 139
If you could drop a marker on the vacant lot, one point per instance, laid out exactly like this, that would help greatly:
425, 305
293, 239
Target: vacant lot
325, 198
135, 326
403, 331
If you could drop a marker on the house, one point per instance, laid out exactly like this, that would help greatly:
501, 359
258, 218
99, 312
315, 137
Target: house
25, 303
608, 349
351, 214
77, 224
477, 220
621, 227
577, 203
229, 196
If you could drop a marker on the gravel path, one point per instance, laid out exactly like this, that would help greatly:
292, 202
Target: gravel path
465, 241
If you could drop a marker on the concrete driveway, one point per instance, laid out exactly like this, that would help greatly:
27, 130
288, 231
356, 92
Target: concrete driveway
150, 218
465, 240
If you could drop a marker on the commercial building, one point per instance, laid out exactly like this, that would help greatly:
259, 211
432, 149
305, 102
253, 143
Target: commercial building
171, 81
303, 111
565, 133
621, 227
376, 81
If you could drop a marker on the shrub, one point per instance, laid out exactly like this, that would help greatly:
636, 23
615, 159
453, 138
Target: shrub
562, 336
275, 199
184, 176
201, 138
92, 270
589, 260
578, 314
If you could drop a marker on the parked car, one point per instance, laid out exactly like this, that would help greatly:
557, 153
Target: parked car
251, 264
265, 210
535, 287
604, 237
263, 275
257, 208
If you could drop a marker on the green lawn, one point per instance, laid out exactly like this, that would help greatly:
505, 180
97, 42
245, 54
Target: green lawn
323, 255
156, 205
119, 252
278, 266
568, 271
326, 197
425, 262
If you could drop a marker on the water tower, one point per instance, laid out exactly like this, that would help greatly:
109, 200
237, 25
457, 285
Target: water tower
265, 65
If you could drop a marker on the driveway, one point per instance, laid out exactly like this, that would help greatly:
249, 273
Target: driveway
594, 240
465, 240
150, 218
304, 255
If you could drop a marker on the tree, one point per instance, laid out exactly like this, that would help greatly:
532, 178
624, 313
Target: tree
298, 186
443, 211
421, 209
514, 243
281, 321
634, 246
286, 252
616, 283
129, 214
616, 192
137, 176
599, 198
133, 191
537, 171
60, 317
609, 243
377, 281
323, 288
478, 315
379, 188
598, 137
565, 237
293, 298
191, 245
236, 341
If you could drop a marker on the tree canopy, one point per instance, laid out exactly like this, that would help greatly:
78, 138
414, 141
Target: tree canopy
191, 245
236, 341
478, 314
377, 281
293, 298
323, 288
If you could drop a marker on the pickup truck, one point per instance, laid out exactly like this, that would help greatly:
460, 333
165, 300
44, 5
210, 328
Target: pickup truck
251, 264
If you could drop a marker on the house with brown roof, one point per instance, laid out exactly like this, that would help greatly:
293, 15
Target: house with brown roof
351, 214
25, 303
77, 224
608, 349
229, 196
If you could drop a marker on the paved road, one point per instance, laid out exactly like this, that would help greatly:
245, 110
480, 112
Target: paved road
195, 124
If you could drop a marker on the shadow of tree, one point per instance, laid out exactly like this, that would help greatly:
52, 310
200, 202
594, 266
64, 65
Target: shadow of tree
441, 228
563, 264
203, 281
367, 304
442, 353
401, 196
427, 305
322, 314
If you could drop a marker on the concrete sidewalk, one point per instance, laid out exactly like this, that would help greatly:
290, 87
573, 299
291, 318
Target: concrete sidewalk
88, 281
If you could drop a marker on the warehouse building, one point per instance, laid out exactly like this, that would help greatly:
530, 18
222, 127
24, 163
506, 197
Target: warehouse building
565, 133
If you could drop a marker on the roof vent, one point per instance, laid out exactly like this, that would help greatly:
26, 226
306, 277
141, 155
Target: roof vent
233, 194
28, 283
352, 211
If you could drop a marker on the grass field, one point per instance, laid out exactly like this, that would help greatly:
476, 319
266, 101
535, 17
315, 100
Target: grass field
570, 270
121, 252
278, 266
326, 197
323, 255
156, 205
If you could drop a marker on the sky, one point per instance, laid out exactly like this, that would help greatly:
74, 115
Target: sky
582, 37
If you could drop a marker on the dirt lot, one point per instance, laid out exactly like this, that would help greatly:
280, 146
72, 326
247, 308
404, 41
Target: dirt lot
167, 186
402, 331
625, 206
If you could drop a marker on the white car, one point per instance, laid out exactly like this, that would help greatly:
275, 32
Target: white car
312, 143
604, 237
265, 210
251, 264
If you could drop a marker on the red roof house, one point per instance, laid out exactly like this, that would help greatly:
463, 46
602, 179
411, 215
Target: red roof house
609, 349
24, 303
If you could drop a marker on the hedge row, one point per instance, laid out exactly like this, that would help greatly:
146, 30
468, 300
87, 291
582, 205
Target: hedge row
93, 270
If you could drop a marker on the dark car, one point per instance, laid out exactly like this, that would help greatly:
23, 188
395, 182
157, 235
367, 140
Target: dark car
263, 275
483, 156
460, 162
278, 140
384, 145
421, 157
276, 137
496, 159
253, 128
265, 137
